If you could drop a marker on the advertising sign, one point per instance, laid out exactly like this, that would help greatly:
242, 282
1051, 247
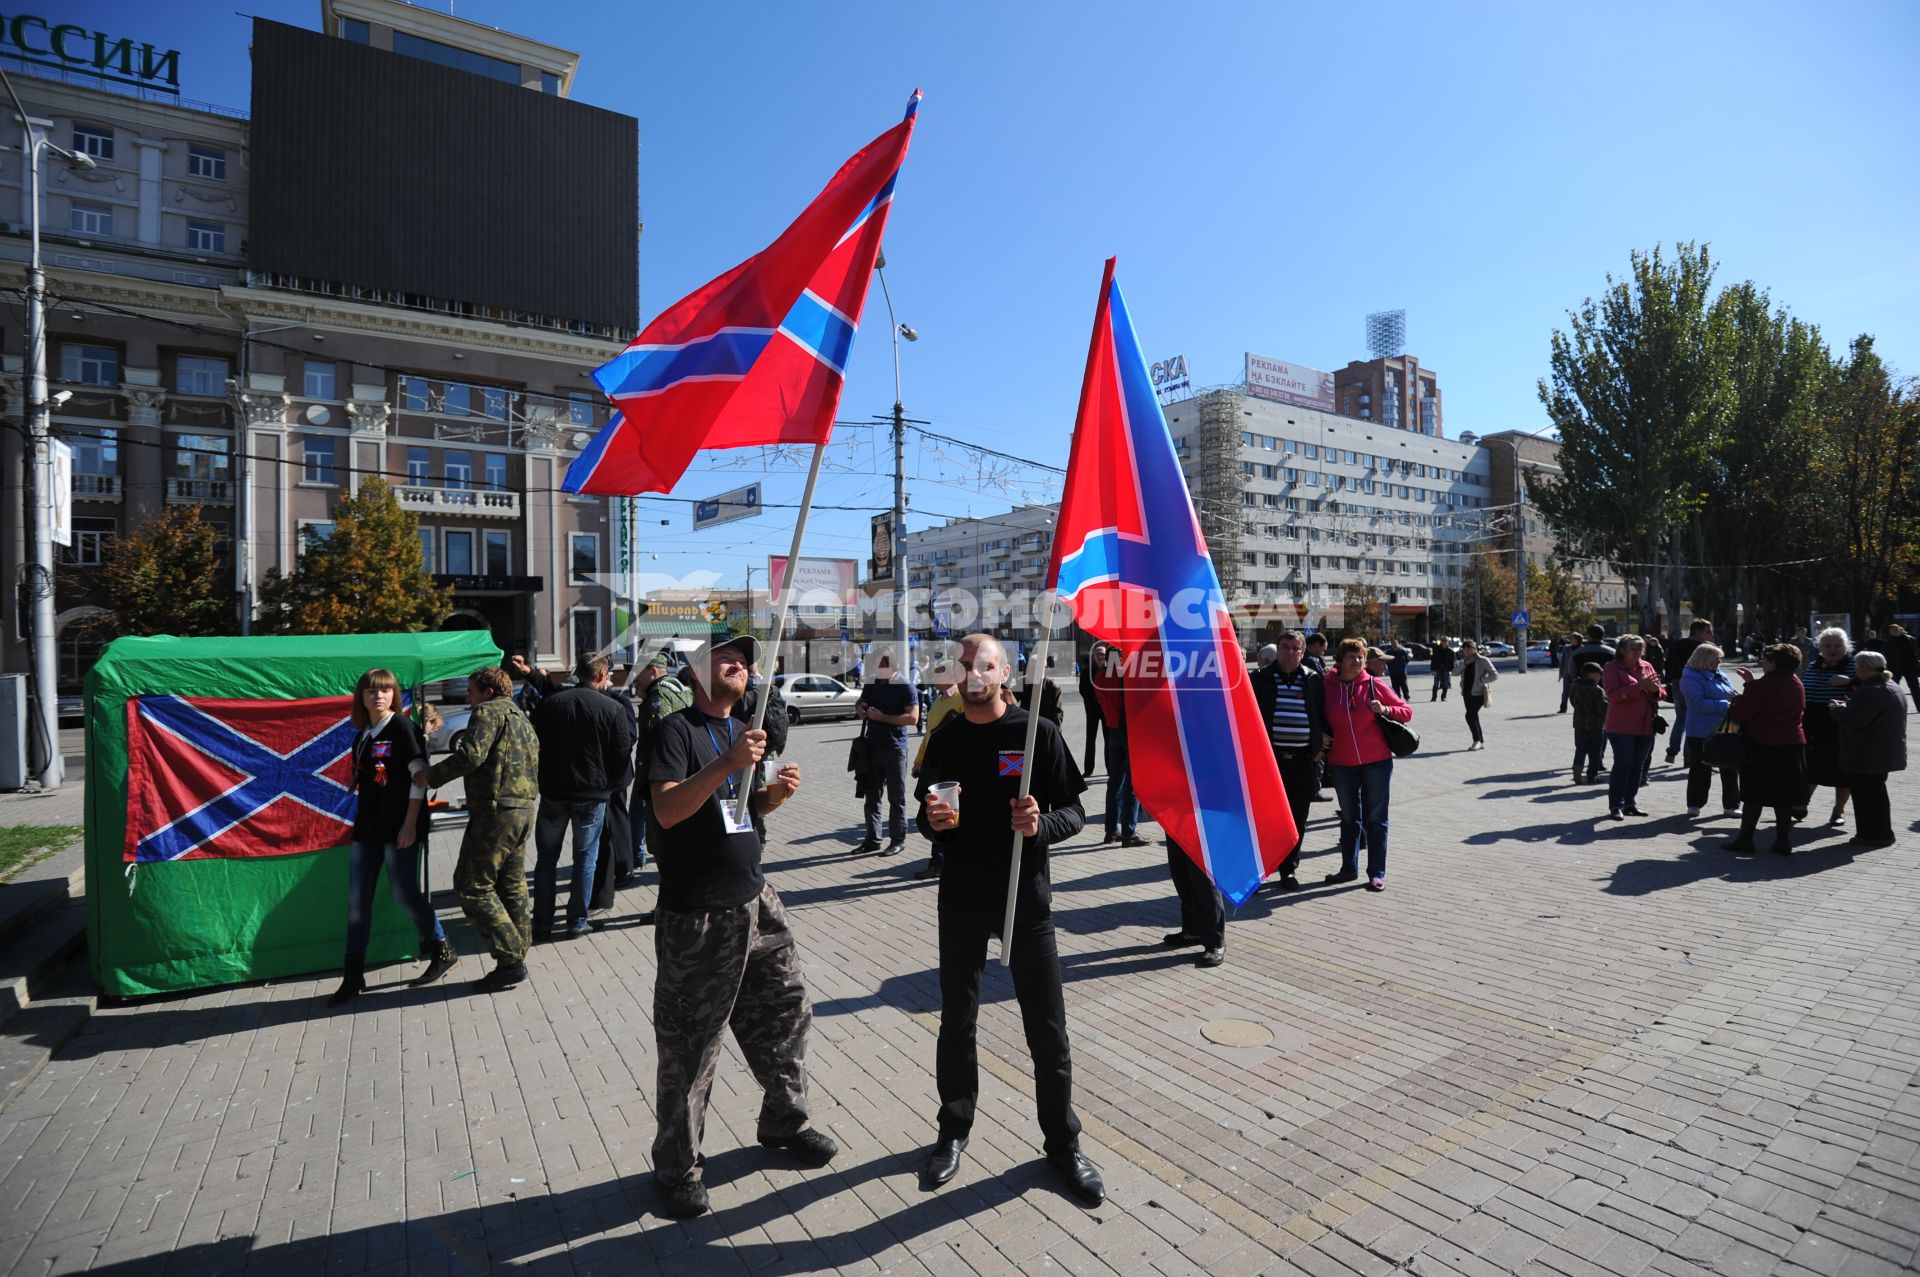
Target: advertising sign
880, 566
741, 503
816, 582
1170, 377
61, 491
1289, 383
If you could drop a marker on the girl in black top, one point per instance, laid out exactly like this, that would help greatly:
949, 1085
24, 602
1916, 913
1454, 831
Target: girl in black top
389, 757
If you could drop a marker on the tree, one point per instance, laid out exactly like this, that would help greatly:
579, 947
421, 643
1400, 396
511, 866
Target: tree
1486, 585
366, 577
167, 578
1639, 392
1865, 482
1360, 603
1557, 600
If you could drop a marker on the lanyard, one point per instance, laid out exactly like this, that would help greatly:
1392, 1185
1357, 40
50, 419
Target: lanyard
717, 751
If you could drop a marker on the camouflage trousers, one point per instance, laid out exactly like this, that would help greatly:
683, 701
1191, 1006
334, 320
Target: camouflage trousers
490, 878
724, 968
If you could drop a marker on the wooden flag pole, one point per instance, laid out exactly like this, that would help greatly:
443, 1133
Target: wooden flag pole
743, 784
1039, 658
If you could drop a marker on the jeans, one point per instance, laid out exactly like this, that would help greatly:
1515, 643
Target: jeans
1588, 745
1474, 704
1700, 777
1631, 756
887, 770
549, 828
1123, 809
1442, 681
1679, 729
364, 860
1364, 792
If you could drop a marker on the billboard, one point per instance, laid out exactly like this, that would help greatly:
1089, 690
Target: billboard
880, 566
1289, 383
741, 503
816, 582
1170, 376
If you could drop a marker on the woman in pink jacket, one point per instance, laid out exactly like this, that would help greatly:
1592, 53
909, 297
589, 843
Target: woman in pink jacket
1633, 702
1358, 760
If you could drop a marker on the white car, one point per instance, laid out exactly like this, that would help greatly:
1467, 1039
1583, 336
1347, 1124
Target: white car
1539, 654
1497, 648
812, 696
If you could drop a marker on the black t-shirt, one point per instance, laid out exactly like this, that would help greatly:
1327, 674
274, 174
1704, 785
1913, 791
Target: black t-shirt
986, 758
383, 779
702, 866
891, 697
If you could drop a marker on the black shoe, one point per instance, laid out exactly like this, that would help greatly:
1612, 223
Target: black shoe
1345, 875
1180, 939
1106, 837
685, 1200
931, 871
542, 937
1081, 1177
1287, 882
1741, 845
1211, 957
1613, 813
866, 849
504, 976
893, 848
813, 1147
443, 960
580, 928
1133, 840
1781, 847
1632, 811
943, 1163
350, 988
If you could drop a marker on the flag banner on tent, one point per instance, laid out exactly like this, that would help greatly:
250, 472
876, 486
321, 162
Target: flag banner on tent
1128, 557
757, 356
231, 779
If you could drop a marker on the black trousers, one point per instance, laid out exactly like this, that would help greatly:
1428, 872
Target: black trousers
1399, 680
1474, 705
1203, 910
1773, 777
616, 849
1300, 777
964, 933
1872, 808
1093, 735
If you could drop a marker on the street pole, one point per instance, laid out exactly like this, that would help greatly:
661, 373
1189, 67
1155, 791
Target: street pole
903, 660
1520, 549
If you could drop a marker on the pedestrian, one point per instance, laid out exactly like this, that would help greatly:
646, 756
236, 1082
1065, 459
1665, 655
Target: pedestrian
1441, 663
499, 757
1378, 663
1316, 658
1090, 702
1826, 678
982, 752
1569, 670
1477, 677
1293, 706
1203, 910
1633, 696
1656, 654
1589, 722
1359, 760
725, 952
1678, 654
613, 865
1708, 695
1399, 654
886, 708
1123, 809
1771, 711
586, 743
389, 797
1903, 659
657, 697
1804, 641
1265, 657
1873, 745
947, 704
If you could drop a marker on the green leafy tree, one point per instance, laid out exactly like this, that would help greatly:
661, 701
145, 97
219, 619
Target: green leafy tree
1557, 600
367, 577
1864, 475
1360, 609
167, 577
1486, 596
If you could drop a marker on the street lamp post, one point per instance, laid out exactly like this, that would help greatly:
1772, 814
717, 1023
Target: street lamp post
37, 585
897, 331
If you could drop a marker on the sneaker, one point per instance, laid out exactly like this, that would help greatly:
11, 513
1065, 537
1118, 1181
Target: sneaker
685, 1200
1376, 884
1693, 813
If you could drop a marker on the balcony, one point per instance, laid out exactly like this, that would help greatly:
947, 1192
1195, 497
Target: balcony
96, 487
200, 491
484, 503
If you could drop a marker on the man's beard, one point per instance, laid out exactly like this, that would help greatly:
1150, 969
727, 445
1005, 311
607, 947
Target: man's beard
983, 695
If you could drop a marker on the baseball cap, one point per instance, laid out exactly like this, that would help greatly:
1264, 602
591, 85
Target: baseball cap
747, 644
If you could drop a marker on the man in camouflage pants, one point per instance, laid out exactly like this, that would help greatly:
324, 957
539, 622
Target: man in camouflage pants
499, 755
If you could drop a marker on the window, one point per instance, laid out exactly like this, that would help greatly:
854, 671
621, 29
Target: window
460, 553
1313, 452
199, 375
585, 557
580, 408
1246, 468
458, 401
1246, 439
417, 466
90, 219
426, 549
1351, 459
319, 458
1269, 472
89, 548
498, 553
495, 467
1248, 557
1246, 498
93, 139
493, 402
413, 393
586, 631
89, 365
319, 381
1293, 503
447, 55
96, 454
549, 83
209, 162
458, 469
1273, 560
206, 237
315, 533
201, 457
355, 31
1271, 500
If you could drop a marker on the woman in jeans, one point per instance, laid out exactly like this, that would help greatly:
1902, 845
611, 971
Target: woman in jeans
1359, 761
1769, 711
1873, 744
1707, 693
389, 792
1476, 676
1633, 697
1827, 676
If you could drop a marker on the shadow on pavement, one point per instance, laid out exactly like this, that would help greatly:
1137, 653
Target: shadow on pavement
1514, 778
1709, 858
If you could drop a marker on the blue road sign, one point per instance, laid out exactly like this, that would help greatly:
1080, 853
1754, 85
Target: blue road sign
1521, 620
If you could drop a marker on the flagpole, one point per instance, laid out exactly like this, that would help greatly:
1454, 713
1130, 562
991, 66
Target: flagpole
1039, 657
744, 782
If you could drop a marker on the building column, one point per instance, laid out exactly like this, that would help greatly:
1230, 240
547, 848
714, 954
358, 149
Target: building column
152, 155
367, 445
259, 504
144, 466
540, 517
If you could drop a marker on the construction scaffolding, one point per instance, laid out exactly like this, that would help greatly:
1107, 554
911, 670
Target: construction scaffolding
1217, 483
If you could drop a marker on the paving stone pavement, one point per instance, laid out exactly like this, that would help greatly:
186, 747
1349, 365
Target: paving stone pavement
1554, 1045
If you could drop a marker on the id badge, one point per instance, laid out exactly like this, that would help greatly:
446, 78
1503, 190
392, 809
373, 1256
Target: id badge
742, 826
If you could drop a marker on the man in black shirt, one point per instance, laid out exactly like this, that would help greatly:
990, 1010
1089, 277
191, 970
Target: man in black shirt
983, 750
887, 707
726, 954
586, 745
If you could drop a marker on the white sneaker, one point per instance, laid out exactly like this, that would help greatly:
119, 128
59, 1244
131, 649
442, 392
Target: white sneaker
1693, 813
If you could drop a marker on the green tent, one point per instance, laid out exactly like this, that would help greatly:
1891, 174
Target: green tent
187, 924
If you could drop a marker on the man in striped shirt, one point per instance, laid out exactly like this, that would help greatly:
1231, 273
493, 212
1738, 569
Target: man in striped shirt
1293, 707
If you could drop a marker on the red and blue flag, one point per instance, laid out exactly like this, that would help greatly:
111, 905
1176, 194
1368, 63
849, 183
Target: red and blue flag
757, 356
212, 778
1128, 557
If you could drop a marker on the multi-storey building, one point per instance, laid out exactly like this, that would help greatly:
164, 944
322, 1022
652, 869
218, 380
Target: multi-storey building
1515, 459
1394, 391
254, 312
983, 572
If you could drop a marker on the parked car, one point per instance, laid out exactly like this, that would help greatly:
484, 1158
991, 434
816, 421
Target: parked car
1497, 648
1539, 654
70, 706
815, 696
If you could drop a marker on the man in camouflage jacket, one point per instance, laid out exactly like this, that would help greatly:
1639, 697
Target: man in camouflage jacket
499, 756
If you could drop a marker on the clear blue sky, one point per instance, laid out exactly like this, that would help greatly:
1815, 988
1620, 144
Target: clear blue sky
1267, 174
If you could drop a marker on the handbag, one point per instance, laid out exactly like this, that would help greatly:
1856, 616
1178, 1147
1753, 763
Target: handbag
1659, 725
1726, 747
1401, 739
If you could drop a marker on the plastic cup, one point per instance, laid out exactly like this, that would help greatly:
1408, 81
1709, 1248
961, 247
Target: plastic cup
948, 792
